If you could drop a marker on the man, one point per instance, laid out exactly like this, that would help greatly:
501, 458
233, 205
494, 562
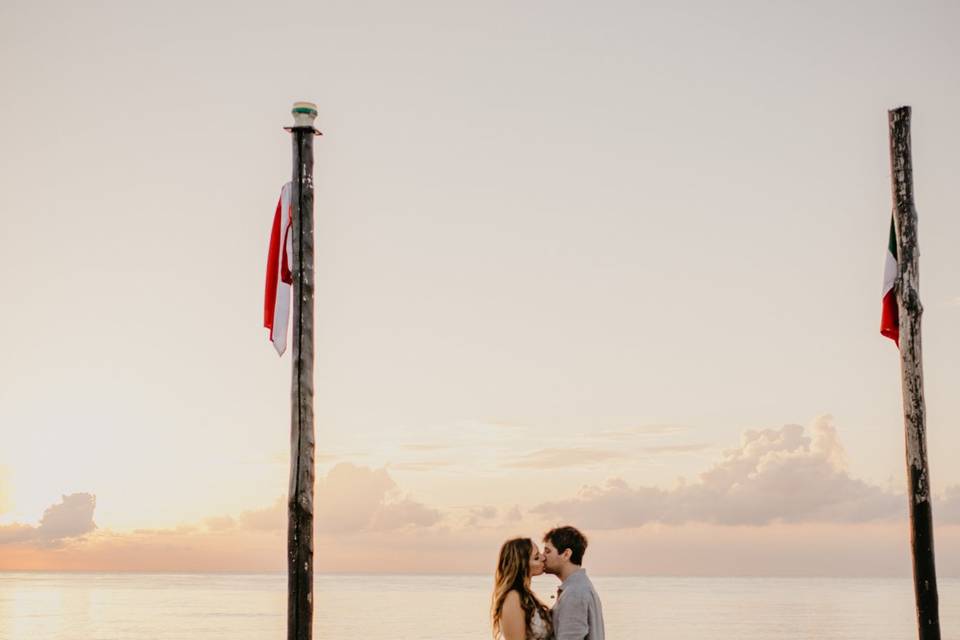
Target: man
577, 614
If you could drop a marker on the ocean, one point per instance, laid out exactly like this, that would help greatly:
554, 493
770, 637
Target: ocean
105, 606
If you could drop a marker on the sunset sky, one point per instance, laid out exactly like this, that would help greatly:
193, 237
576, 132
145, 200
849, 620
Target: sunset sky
613, 264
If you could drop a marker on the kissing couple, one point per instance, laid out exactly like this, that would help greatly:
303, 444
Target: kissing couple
515, 611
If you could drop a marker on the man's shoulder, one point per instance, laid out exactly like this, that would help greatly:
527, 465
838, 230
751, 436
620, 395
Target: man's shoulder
579, 581
579, 590
581, 593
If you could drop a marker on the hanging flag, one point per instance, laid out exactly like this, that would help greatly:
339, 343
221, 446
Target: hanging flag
276, 298
890, 316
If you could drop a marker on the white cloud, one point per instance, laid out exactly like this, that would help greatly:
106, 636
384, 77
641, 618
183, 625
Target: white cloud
676, 448
352, 498
642, 430
558, 458
71, 518
272, 518
421, 465
947, 509
790, 474
219, 523
480, 515
348, 499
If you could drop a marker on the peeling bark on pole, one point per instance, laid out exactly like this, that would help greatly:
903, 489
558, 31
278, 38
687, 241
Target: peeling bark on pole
911, 369
300, 494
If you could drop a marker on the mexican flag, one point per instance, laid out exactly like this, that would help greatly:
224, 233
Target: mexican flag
890, 316
276, 297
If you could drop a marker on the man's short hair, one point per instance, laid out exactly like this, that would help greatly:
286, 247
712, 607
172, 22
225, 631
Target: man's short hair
563, 538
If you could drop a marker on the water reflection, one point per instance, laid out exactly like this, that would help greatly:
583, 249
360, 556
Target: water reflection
35, 606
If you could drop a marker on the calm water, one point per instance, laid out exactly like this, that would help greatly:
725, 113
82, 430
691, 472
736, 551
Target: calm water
37, 606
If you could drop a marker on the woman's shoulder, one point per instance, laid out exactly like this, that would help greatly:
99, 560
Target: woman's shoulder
512, 598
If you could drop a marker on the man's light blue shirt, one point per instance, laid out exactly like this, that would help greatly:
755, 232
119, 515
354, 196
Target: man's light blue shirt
577, 615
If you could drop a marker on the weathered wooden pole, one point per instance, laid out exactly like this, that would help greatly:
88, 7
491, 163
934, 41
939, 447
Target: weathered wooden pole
300, 496
911, 370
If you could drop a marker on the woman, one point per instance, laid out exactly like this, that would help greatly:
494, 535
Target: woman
516, 612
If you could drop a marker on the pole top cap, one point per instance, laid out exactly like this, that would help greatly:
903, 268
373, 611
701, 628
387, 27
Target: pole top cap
304, 113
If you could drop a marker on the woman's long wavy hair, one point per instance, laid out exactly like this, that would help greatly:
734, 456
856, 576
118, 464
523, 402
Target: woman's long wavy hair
513, 574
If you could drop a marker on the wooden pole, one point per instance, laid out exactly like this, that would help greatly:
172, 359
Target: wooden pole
300, 494
911, 370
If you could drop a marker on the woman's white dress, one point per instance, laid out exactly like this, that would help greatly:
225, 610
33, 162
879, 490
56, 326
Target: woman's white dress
539, 627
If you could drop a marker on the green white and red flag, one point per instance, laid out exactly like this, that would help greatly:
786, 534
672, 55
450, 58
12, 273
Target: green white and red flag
276, 296
890, 316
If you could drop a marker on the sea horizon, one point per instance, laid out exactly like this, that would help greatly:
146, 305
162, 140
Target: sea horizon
40, 605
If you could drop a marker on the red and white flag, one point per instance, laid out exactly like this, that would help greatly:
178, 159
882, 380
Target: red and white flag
276, 297
890, 316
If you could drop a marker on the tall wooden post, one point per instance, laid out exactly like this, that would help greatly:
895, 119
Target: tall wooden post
911, 369
300, 495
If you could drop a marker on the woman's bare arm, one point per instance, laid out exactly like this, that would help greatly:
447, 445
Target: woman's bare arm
512, 620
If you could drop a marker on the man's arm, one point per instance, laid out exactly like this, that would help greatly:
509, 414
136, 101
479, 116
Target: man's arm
572, 621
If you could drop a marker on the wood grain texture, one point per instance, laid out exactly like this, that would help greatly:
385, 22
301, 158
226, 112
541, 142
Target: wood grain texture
911, 370
301, 490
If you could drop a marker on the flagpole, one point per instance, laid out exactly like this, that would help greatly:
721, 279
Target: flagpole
911, 369
300, 494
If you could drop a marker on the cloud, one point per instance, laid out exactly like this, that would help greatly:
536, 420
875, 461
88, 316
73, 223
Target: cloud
947, 509
421, 465
391, 532
349, 499
486, 512
402, 514
356, 509
219, 523
16, 533
479, 515
558, 458
71, 518
676, 448
422, 446
642, 430
266, 519
352, 498
272, 518
513, 514
614, 446
491, 517
776, 475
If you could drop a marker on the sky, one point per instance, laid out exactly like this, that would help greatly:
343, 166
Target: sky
614, 265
